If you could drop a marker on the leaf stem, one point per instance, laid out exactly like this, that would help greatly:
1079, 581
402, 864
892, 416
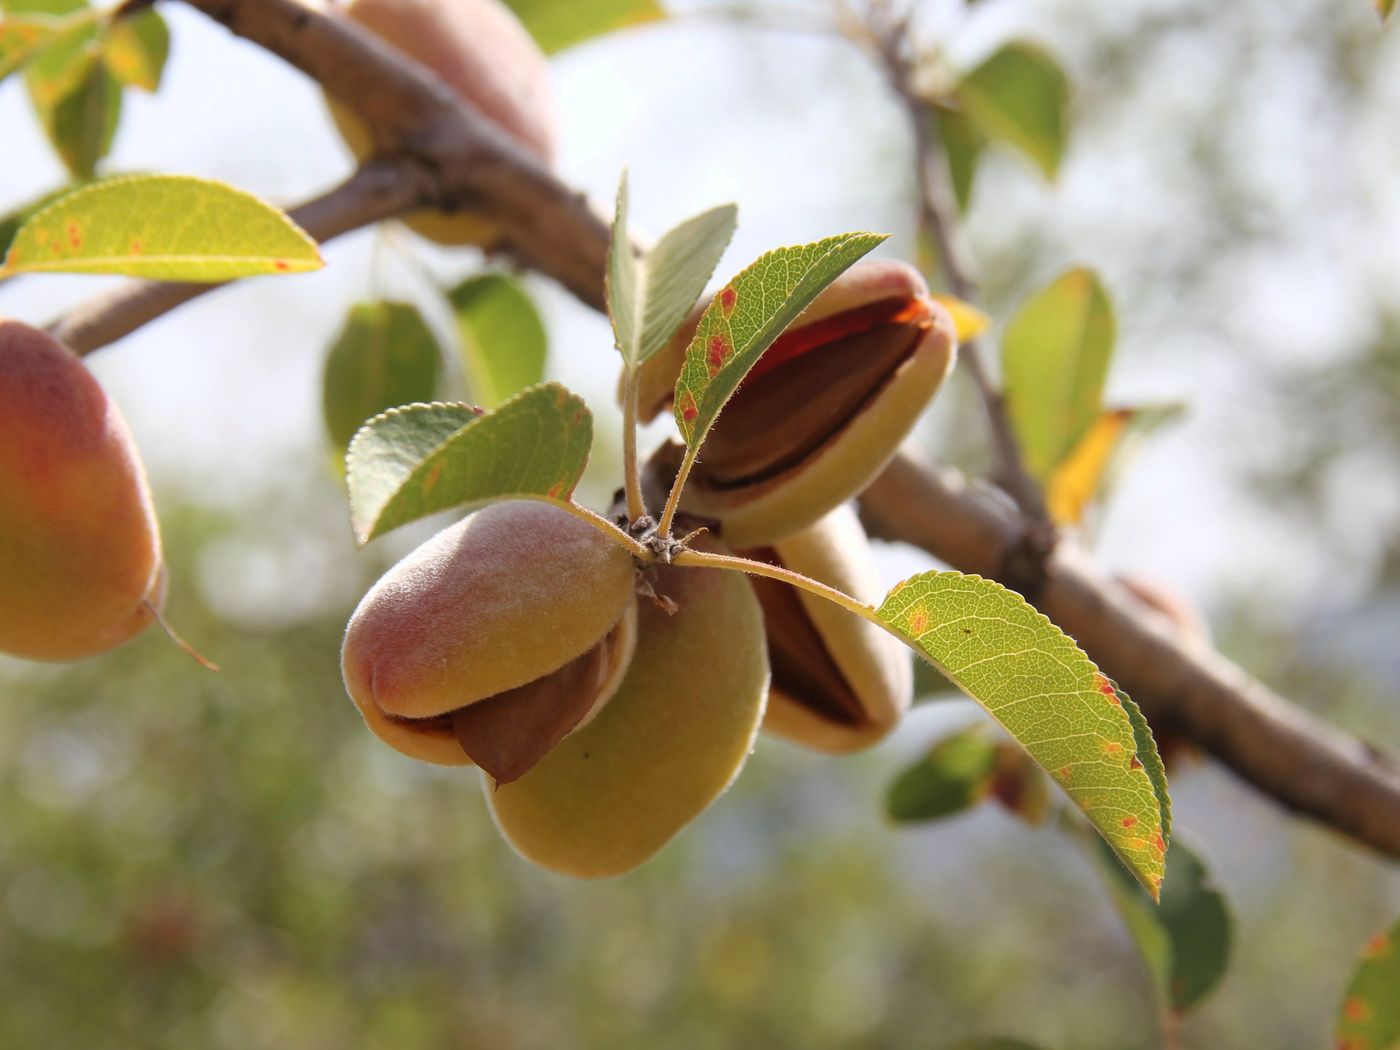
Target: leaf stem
702, 559
673, 500
631, 473
606, 527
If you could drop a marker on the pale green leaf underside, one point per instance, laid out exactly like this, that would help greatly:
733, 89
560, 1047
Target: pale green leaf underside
421, 459
503, 341
747, 315
1370, 1013
1055, 357
556, 26
164, 227
649, 297
1020, 96
1047, 694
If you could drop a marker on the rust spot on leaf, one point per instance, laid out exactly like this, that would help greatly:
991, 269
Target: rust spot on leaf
1356, 1009
1377, 946
1136, 763
727, 299
1106, 687
1129, 822
1062, 773
688, 410
281, 264
75, 235
918, 620
136, 246
1158, 844
1112, 747
717, 351
433, 476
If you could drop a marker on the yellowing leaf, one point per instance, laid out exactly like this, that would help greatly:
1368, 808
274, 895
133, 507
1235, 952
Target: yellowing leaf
969, 321
1082, 476
166, 227
1050, 697
135, 49
1054, 359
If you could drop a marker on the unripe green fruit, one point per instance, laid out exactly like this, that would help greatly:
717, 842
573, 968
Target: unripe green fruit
482, 616
479, 49
823, 410
839, 682
668, 743
80, 557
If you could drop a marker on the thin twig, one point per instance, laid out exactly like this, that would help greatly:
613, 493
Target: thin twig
891, 44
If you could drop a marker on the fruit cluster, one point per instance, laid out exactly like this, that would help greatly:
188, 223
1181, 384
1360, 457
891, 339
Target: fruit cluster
608, 699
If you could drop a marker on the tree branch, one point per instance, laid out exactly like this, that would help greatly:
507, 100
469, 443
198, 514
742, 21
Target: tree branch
438, 152
1299, 761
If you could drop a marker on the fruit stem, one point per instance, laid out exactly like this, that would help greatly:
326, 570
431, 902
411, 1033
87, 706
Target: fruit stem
673, 500
702, 559
631, 474
606, 527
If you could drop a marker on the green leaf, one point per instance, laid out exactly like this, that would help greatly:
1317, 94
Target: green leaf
1370, 1013
166, 227
1020, 96
82, 124
556, 26
649, 297
747, 315
10, 224
23, 37
954, 776
385, 356
962, 147
1047, 694
135, 49
1054, 360
1186, 941
414, 461
503, 340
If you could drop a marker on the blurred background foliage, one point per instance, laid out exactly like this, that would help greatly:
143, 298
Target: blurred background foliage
232, 861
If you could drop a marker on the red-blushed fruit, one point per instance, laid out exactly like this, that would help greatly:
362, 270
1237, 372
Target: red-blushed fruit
479, 49
840, 683
80, 555
823, 410
494, 639
668, 743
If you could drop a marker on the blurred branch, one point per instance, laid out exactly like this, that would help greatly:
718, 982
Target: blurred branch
445, 155
1181, 684
888, 38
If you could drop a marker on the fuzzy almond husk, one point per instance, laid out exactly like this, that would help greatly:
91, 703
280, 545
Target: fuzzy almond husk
493, 604
670, 741
80, 554
840, 683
